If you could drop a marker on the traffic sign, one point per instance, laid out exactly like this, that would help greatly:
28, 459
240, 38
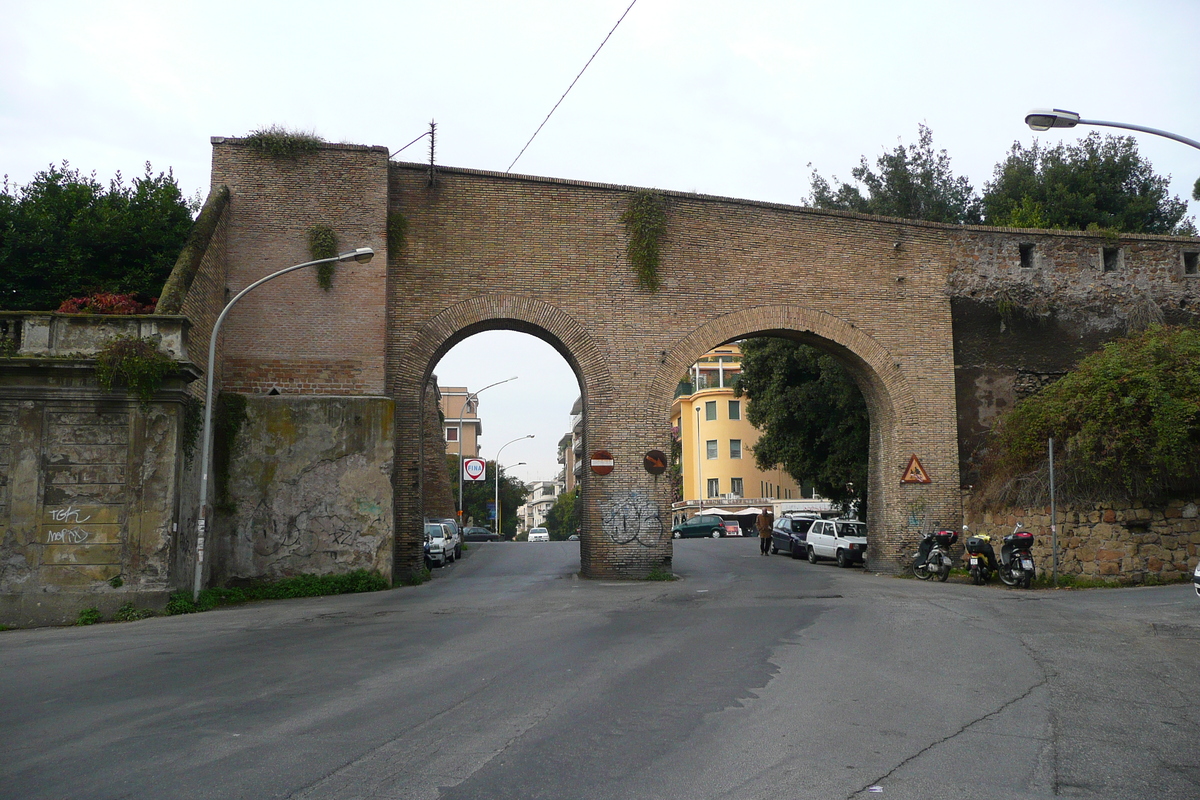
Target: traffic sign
474, 469
655, 462
915, 473
602, 462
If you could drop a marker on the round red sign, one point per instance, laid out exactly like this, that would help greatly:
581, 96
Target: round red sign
602, 462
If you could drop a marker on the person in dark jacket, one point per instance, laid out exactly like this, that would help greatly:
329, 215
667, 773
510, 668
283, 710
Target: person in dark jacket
764, 522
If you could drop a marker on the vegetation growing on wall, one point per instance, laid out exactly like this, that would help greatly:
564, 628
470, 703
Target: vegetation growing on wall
134, 363
397, 231
1126, 425
645, 221
109, 303
191, 426
322, 243
229, 415
359, 580
279, 142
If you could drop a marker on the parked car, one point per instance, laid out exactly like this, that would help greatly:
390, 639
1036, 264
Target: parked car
790, 534
700, 525
455, 535
480, 535
844, 540
438, 550
539, 535
574, 537
1196, 580
732, 527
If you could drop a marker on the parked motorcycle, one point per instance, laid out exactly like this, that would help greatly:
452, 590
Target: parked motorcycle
1016, 558
981, 557
932, 558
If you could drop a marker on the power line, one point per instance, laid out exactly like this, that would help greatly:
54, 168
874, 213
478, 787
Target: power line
564, 94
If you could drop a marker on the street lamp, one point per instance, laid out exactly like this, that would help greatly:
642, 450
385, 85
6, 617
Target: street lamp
462, 411
496, 461
360, 255
1043, 119
497, 471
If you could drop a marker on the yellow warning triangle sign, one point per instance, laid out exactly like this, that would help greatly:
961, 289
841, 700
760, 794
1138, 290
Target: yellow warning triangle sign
915, 473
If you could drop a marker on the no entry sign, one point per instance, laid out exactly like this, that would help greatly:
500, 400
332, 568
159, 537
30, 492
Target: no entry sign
602, 462
474, 469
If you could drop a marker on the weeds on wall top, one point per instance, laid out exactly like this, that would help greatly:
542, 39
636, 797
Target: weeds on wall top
397, 231
645, 221
322, 243
134, 363
280, 142
109, 303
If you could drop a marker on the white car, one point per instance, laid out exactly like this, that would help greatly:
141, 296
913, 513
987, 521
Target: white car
539, 535
439, 549
1196, 580
844, 540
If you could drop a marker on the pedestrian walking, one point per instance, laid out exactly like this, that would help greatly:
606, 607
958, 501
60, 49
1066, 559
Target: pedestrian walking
764, 522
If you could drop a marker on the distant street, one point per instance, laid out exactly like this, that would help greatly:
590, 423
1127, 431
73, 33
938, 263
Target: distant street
508, 677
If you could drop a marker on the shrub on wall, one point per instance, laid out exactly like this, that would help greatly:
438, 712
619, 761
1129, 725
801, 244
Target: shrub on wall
280, 142
134, 363
645, 221
322, 243
109, 303
1126, 424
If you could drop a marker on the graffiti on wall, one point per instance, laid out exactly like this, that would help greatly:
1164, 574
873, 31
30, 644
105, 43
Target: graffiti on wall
635, 518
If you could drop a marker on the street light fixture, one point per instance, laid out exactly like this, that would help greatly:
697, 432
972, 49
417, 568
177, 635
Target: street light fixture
496, 461
497, 471
360, 255
462, 411
1043, 119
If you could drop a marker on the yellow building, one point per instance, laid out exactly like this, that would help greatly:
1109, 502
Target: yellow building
460, 409
717, 443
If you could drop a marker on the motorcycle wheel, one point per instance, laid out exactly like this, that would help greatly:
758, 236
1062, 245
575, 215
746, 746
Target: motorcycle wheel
943, 572
1007, 576
976, 578
1027, 581
921, 571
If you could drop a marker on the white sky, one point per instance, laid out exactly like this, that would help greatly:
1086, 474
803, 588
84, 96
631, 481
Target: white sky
724, 98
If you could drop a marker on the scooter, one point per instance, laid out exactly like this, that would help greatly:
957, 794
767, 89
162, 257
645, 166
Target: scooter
981, 557
1016, 558
932, 558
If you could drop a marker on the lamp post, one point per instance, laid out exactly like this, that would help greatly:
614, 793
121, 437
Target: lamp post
361, 255
496, 461
497, 470
462, 411
1043, 119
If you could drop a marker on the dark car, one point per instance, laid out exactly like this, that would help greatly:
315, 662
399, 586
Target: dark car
480, 535
790, 535
700, 525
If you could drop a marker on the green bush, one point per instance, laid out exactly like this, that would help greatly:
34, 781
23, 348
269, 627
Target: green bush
660, 574
1126, 425
127, 613
134, 363
279, 142
88, 616
299, 586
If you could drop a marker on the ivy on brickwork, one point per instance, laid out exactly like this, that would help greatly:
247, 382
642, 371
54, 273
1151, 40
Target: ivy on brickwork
134, 363
322, 243
193, 422
280, 142
397, 231
645, 221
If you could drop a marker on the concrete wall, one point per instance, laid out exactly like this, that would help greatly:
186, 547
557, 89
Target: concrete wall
310, 485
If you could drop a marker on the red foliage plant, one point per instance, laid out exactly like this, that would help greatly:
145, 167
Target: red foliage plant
108, 303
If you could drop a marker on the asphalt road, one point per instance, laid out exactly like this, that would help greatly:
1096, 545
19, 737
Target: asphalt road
509, 677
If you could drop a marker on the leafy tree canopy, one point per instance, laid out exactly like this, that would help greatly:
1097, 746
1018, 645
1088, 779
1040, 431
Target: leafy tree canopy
811, 415
1097, 182
65, 235
1126, 424
913, 182
563, 519
477, 495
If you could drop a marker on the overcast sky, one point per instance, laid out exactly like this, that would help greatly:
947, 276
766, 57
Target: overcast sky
733, 99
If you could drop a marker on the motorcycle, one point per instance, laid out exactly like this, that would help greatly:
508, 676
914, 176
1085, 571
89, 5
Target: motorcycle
933, 555
981, 557
1016, 558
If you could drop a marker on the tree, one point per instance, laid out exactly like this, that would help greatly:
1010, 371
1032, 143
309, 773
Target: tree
563, 519
1126, 424
1099, 182
64, 235
913, 182
812, 417
478, 497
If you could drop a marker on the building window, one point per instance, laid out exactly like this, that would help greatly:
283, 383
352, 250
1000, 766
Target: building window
451, 434
735, 448
1191, 263
1026, 250
1111, 258
710, 410
735, 409
714, 487
711, 447
735, 486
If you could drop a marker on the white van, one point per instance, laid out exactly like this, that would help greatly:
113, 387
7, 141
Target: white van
842, 539
539, 535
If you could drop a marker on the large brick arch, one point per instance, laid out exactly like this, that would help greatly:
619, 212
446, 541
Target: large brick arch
888, 393
414, 363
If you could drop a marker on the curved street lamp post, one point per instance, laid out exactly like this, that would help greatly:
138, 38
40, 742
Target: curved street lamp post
1043, 119
361, 255
496, 463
